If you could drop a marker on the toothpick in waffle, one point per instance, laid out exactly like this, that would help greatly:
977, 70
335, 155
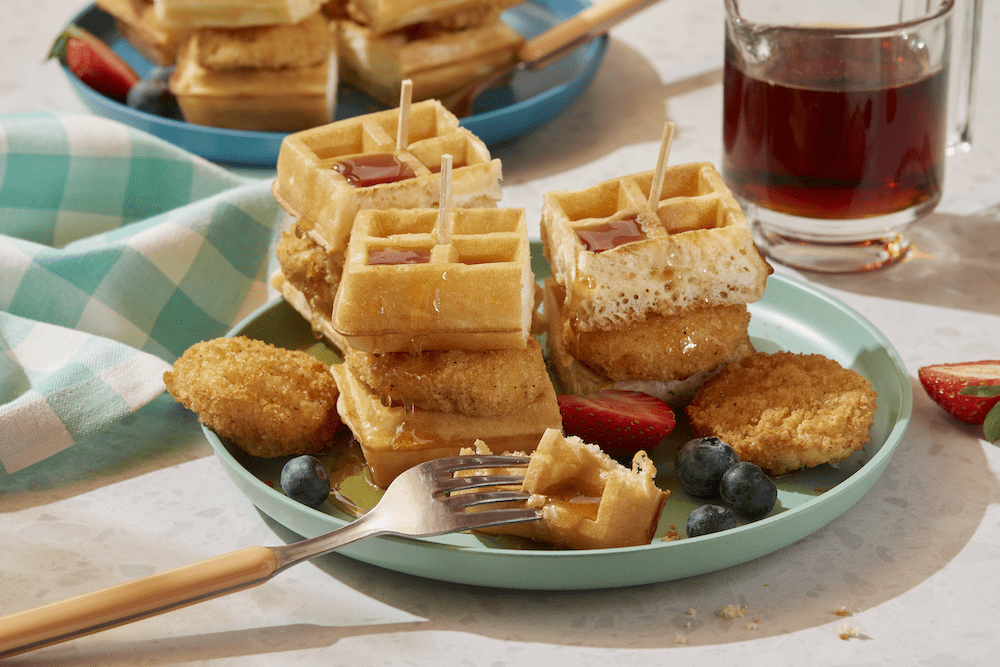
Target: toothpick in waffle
403, 290
314, 167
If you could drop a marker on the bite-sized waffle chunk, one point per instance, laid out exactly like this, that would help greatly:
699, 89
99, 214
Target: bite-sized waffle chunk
618, 262
382, 16
325, 203
587, 499
233, 13
395, 438
253, 79
438, 62
404, 291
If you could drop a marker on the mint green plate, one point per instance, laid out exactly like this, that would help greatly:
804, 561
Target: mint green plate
792, 316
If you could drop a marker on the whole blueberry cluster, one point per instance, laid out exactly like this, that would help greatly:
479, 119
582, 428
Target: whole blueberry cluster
710, 468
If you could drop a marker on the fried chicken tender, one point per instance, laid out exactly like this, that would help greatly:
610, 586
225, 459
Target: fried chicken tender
267, 400
488, 383
310, 268
786, 411
666, 348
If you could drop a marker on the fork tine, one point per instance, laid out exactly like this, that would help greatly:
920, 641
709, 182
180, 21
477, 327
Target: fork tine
460, 501
453, 464
451, 484
495, 517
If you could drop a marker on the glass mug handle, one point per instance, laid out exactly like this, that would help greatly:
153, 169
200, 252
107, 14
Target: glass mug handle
966, 27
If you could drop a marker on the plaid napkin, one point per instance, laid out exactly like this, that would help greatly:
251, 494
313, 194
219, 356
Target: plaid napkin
118, 251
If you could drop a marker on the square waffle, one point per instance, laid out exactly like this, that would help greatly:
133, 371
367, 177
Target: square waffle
248, 79
404, 291
619, 261
397, 437
233, 13
439, 62
309, 187
587, 499
136, 21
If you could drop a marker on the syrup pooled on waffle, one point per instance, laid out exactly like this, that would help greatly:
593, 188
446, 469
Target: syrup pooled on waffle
324, 174
410, 286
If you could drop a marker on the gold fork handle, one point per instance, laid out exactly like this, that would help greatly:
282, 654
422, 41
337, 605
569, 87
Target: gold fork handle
589, 22
158, 593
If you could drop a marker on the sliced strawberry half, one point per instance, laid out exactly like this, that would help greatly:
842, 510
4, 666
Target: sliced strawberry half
619, 422
94, 63
955, 387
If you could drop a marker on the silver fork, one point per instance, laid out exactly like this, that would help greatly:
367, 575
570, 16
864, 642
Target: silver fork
428, 499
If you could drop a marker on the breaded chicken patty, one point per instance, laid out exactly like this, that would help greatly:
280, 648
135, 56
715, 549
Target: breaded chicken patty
267, 400
309, 268
666, 348
483, 384
786, 411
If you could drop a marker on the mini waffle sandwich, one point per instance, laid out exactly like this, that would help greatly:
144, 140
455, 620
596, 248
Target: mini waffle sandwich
435, 307
441, 45
326, 175
587, 499
648, 297
270, 78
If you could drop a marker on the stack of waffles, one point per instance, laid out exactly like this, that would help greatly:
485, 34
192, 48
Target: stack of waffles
260, 65
430, 302
440, 45
649, 293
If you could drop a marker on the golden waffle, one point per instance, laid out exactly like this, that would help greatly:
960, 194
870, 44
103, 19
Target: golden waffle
233, 13
261, 99
382, 16
696, 250
474, 292
309, 187
439, 62
587, 499
136, 21
395, 438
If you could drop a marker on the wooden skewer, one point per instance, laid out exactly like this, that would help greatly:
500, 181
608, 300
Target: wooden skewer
661, 165
403, 127
445, 203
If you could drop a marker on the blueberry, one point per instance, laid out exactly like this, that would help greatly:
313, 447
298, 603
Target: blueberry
709, 519
306, 480
700, 464
748, 490
153, 95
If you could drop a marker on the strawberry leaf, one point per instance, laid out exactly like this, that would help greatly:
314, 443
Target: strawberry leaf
991, 427
981, 390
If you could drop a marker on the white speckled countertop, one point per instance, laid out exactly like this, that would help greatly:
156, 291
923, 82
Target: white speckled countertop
916, 560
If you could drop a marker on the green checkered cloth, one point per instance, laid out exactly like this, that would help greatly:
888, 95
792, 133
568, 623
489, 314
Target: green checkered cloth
118, 251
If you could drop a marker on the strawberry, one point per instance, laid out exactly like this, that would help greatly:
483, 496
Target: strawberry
94, 63
619, 422
968, 391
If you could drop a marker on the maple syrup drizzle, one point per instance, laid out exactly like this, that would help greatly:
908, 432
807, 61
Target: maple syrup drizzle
394, 256
373, 169
611, 234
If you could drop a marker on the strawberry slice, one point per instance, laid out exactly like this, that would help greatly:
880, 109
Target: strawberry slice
94, 63
619, 422
968, 391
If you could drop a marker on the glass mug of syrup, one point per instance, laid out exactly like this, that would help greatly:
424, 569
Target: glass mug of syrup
836, 121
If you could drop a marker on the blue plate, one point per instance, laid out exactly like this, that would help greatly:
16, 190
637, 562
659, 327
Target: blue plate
531, 99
